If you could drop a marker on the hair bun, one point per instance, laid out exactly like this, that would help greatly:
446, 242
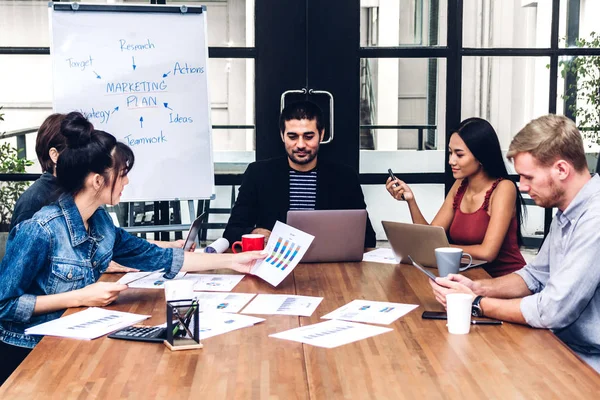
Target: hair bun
77, 130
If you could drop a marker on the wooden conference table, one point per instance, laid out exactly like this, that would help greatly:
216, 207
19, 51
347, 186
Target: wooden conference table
419, 359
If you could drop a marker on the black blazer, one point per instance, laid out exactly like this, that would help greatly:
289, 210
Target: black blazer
263, 197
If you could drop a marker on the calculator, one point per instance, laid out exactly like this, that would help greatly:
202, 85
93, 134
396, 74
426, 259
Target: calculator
156, 334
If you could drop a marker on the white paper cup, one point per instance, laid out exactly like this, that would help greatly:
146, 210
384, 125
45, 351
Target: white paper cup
179, 290
458, 307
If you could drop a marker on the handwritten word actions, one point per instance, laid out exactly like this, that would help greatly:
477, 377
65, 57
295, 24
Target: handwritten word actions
132, 141
179, 120
185, 69
136, 46
134, 101
80, 64
132, 87
102, 115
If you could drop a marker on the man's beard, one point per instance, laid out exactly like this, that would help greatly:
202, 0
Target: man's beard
310, 156
555, 197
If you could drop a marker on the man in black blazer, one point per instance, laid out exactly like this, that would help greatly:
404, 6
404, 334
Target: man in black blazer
299, 181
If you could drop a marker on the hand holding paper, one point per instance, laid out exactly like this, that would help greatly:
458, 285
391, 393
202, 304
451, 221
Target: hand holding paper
285, 249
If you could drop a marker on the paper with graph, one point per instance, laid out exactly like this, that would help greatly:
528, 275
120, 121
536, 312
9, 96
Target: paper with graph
374, 312
285, 250
283, 304
87, 324
331, 334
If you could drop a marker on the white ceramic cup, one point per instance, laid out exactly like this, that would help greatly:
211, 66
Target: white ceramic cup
458, 307
179, 290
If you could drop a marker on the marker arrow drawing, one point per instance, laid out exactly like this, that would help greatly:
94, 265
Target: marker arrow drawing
133, 62
141, 122
167, 106
167, 74
97, 76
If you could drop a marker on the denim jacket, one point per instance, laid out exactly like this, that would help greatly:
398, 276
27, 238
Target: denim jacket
53, 253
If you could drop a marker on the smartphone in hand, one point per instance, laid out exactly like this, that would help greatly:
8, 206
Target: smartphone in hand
395, 185
393, 177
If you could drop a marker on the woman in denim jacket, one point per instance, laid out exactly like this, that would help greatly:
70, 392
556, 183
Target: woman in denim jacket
54, 260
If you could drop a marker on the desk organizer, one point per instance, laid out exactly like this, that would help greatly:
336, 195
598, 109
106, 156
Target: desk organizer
183, 322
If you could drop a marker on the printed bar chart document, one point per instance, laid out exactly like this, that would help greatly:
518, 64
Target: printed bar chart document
214, 282
87, 324
283, 304
223, 302
331, 334
375, 312
285, 249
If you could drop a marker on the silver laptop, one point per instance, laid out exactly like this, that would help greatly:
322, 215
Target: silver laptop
418, 241
339, 234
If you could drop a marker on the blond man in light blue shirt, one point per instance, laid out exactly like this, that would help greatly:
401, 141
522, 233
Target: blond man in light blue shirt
560, 288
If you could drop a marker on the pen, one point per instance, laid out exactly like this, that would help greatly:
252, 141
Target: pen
488, 322
186, 318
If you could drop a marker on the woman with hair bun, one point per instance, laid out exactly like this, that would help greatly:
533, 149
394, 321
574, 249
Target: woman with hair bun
53, 260
482, 211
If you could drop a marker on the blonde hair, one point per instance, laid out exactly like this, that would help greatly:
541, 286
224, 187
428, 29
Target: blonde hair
550, 138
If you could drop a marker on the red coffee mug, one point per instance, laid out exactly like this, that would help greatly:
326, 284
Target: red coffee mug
250, 242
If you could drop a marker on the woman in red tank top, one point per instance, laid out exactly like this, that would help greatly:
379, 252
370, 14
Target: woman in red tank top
482, 212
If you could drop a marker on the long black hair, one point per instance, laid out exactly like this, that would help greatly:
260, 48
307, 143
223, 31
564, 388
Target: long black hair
482, 140
89, 151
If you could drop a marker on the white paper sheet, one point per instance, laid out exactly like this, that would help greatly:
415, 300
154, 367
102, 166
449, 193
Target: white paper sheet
285, 249
214, 282
283, 304
382, 255
87, 324
155, 280
213, 324
223, 302
133, 276
375, 312
331, 334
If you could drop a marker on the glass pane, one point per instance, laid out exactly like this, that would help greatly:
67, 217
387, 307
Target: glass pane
230, 22
507, 91
578, 83
231, 83
488, 23
403, 23
25, 23
578, 19
403, 107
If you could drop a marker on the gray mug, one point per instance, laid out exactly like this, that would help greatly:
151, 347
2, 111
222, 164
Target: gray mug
448, 260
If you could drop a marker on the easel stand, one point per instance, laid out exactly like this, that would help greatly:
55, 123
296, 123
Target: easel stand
183, 322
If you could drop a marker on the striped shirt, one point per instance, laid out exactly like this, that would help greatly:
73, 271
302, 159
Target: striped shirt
303, 190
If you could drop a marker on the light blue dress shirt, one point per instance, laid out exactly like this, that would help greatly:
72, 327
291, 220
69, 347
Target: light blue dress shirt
565, 276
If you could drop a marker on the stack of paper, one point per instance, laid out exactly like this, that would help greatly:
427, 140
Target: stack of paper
88, 324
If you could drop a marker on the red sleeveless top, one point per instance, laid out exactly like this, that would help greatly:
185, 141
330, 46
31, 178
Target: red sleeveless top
470, 229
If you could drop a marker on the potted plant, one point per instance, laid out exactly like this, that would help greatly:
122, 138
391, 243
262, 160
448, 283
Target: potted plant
582, 92
10, 162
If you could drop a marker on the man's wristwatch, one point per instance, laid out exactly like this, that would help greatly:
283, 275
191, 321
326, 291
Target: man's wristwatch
476, 309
